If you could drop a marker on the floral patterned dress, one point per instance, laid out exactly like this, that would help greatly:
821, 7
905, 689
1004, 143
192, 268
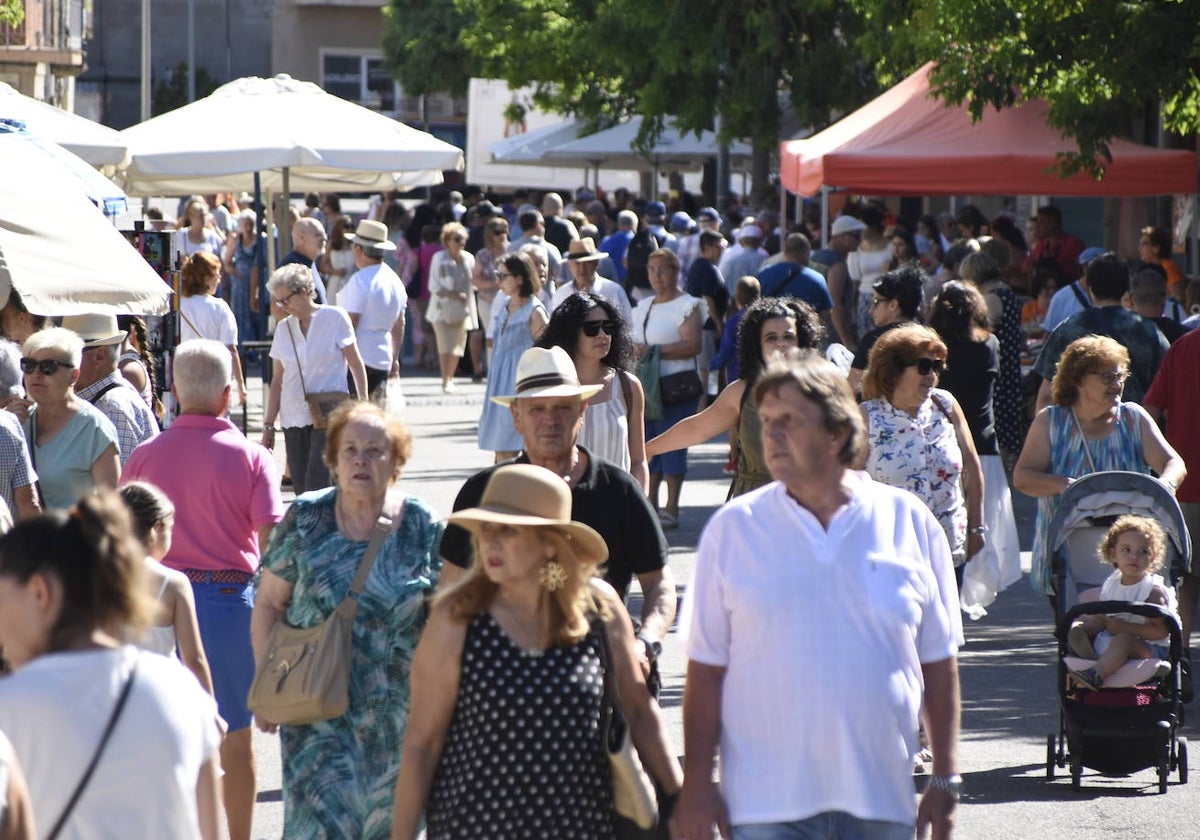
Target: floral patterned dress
921, 454
339, 775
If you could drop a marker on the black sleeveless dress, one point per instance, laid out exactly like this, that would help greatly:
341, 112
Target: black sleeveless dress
523, 758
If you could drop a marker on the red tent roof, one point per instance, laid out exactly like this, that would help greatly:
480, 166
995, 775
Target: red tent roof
906, 142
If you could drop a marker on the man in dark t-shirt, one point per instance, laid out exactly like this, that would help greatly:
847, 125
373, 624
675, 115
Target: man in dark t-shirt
547, 411
704, 280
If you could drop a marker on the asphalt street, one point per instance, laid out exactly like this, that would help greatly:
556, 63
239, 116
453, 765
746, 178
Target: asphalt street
1007, 667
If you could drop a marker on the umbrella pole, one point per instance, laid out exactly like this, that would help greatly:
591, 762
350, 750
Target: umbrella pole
824, 216
285, 232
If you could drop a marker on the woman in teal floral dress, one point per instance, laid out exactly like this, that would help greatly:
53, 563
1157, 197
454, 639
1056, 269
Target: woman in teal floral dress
339, 775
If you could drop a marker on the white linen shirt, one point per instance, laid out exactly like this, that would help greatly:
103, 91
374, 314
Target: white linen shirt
377, 296
329, 333
207, 317
601, 287
822, 634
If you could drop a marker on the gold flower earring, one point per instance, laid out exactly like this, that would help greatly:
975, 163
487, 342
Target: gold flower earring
552, 575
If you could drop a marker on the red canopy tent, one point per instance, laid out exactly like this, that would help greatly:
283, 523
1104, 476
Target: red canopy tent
906, 142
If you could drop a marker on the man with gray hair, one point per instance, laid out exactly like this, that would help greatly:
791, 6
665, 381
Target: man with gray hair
308, 243
101, 383
18, 480
376, 300
616, 242
559, 231
225, 489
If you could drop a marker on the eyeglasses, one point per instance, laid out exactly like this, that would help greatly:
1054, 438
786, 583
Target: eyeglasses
1109, 379
284, 300
502, 274
926, 366
47, 367
875, 301
592, 328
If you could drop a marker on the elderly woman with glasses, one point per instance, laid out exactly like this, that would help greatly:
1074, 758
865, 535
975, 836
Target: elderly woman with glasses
918, 437
1087, 428
73, 446
452, 310
313, 347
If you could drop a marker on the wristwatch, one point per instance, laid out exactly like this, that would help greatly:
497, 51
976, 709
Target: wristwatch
653, 647
951, 785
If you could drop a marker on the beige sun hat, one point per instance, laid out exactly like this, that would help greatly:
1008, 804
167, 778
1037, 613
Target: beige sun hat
543, 372
96, 330
372, 234
524, 494
583, 250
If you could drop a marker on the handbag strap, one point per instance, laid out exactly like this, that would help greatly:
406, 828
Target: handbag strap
383, 527
1083, 441
296, 352
183, 315
113, 717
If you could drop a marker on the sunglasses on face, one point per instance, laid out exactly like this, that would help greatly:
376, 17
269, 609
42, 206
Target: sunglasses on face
48, 367
592, 328
926, 366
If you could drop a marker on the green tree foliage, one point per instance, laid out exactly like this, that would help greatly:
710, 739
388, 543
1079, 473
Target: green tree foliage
171, 92
605, 60
1102, 66
12, 12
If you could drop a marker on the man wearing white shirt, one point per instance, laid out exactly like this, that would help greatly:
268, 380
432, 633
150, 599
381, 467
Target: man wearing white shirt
583, 258
824, 624
375, 299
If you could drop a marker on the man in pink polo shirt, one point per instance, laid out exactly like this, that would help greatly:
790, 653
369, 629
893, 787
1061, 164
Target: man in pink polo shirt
226, 495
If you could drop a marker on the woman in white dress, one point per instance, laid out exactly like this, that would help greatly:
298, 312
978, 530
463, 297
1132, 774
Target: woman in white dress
867, 263
337, 265
196, 234
590, 329
204, 315
452, 309
72, 585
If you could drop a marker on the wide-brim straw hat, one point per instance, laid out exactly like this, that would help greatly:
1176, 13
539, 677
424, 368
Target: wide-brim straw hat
96, 330
583, 250
524, 494
547, 372
372, 234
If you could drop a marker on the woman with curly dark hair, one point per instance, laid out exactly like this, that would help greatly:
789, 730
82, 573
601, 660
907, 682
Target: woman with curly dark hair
597, 339
769, 326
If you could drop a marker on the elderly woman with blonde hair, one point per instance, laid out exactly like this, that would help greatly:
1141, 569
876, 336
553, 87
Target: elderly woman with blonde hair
452, 309
510, 674
1088, 428
313, 348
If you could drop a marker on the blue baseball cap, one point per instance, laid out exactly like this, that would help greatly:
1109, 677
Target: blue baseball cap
1090, 254
656, 210
681, 221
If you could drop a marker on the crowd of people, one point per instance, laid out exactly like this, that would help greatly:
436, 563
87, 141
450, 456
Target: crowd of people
878, 388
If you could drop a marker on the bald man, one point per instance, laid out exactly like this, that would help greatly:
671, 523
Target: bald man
308, 243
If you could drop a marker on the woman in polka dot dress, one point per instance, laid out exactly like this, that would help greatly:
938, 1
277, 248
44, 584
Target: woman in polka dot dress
503, 737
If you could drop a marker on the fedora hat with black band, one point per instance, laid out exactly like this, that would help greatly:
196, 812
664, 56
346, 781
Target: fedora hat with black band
583, 250
543, 372
370, 234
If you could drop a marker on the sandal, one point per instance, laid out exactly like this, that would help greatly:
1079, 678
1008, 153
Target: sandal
668, 520
923, 763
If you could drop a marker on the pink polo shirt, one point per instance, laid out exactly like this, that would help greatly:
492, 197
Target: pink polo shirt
223, 487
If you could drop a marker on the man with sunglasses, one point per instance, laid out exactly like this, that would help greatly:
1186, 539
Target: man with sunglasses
899, 297
583, 259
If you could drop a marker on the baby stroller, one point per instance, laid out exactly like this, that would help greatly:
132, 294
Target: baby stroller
1131, 723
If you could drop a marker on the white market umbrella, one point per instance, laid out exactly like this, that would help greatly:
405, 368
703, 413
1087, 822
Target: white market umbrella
613, 148
96, 144
58, 250
296, 135
530, 147
38, 161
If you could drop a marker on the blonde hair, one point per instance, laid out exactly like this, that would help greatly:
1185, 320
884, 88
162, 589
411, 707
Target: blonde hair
1146, 527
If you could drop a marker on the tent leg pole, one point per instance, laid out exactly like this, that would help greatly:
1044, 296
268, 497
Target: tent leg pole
824, 217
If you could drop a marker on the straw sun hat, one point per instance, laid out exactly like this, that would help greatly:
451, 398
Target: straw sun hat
524, 494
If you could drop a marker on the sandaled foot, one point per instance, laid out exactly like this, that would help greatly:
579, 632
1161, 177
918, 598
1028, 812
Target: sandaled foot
1089, 678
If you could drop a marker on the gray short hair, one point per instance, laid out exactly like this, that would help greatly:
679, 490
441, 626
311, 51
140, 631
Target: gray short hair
372, 252
295, 277
64, 341
10, 370
202, 370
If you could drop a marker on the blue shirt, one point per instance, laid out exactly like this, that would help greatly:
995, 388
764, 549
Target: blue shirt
614, 245
788, 279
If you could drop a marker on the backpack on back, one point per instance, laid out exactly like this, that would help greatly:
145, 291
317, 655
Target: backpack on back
637, 257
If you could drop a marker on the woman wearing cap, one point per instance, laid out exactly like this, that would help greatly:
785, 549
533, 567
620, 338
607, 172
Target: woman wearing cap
769, 327
521, 320
72, 444
204, 315
508, 684
452, 310
591, 330
339, 775
670, 321
918, 437
313, 348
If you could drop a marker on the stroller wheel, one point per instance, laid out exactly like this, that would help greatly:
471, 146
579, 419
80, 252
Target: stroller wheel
1076, 775
1182, 760
1164, 774
1051, 758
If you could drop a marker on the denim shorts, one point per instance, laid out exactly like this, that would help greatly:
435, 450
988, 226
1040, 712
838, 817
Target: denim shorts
223, 611
828, 825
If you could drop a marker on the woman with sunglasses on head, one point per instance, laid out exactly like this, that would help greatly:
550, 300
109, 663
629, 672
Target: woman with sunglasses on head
72, 444
521, 321
592, 332
918, 438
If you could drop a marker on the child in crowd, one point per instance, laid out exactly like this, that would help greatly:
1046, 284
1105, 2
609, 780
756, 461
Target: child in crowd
1135, 546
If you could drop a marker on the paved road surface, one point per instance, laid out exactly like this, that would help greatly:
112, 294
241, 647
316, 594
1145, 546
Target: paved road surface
1009, 705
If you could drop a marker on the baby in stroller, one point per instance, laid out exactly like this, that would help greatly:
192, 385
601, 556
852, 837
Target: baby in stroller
1135, 546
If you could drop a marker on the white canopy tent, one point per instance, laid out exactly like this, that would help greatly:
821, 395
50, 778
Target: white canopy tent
297, 136
58, 250
96, 144
40, 160
613, 148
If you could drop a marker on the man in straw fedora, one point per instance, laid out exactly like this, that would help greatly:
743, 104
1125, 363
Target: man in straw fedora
583, 258
547, 411
375, 298
101, 383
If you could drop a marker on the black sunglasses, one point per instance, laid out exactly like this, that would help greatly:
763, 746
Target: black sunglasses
925, 365
592, 328
48, 367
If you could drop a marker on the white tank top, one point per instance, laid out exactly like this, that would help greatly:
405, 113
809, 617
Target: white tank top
156, 639
606, 427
